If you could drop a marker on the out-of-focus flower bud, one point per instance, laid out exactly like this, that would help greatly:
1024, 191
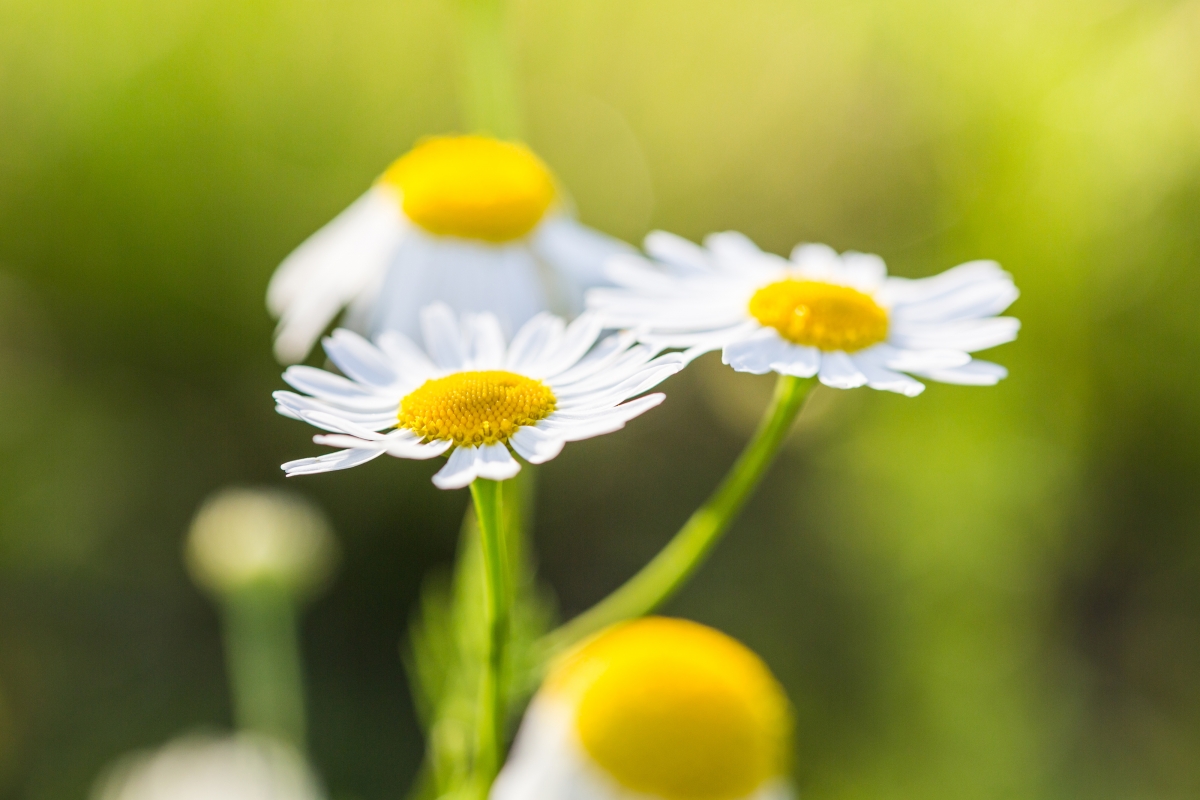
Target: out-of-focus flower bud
246, 536
203, 768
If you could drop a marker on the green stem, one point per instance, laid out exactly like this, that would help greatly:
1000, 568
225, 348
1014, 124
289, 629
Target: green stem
489, 511
683, 555
263, 656
488, 92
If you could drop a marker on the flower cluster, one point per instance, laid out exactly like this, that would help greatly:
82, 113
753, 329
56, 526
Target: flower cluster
466, 244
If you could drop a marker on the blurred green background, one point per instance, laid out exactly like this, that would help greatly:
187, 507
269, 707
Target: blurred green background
979, 593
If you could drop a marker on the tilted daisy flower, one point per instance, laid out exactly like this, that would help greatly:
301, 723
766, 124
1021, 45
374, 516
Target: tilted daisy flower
470, 395
839, 317
655, 708
471, 221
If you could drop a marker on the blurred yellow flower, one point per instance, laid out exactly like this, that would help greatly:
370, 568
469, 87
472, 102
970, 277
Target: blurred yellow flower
837, 316
655, 708
471, 221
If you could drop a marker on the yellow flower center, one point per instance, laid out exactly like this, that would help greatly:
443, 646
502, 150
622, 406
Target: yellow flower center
821, 315
474, 408
474, 187
676, 710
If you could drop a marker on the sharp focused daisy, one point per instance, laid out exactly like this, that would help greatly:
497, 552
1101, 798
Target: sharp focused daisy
472, 396
471, 221
656, 708
839, 317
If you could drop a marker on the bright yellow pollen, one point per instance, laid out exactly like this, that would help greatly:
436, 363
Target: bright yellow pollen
473, 408
474, 187
821, 315
676, 710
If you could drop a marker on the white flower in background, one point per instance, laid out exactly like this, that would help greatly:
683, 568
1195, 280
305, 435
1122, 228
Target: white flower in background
656, 708
200, 768
240, 537
839, 317
472, 396
467, 220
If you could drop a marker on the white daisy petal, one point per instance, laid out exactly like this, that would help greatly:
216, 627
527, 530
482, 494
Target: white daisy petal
294, 405
577, 340
410, 363
578, 253
496, 463
980, 299
461, 468
911, 360
485, 341
443, 339
976, 373
756, 352
420, 451
328, 386
338, 424
965, 335
359, 359
864, 271
884, 379
903, 290
540, 334
330, 269
731, 249
342, 459
817, 260
536, 446
839, 372
677, 252
468, 276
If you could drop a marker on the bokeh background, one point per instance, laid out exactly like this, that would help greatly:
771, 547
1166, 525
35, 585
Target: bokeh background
979, 593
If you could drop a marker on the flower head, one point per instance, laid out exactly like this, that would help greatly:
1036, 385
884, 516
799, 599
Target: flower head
470, 221
839, 317
202, 768
471, 395
241, 537
655, 708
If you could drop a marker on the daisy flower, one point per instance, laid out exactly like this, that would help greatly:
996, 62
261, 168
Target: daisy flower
839, 317
468, 220
470, 395
655, 708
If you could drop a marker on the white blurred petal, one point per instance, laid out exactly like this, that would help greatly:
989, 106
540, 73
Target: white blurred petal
461, 468
330, 269
496, 463
839, 372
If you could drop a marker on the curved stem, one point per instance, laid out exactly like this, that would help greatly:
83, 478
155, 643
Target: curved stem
675, 563
497, 600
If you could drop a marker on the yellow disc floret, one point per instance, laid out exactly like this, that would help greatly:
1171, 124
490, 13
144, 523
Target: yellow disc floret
474, 408
474, 187
676, 710
822, 315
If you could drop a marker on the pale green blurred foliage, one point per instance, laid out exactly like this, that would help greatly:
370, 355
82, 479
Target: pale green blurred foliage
975, 593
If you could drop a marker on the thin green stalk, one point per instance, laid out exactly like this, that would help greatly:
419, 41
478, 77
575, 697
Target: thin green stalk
488, 92
489, 510
263, 655
683, 555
